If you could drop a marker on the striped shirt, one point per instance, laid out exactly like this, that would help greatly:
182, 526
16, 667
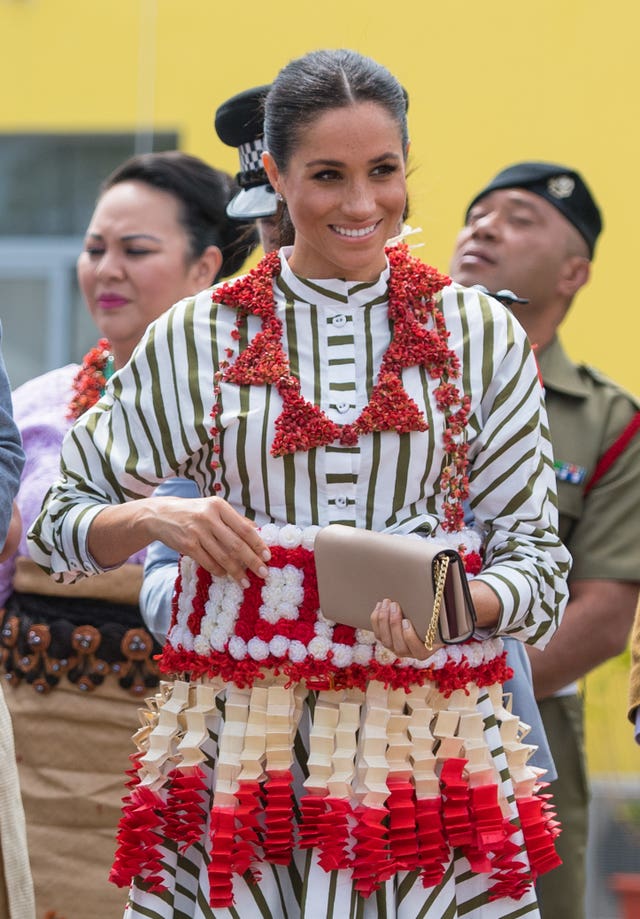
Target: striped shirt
155, 419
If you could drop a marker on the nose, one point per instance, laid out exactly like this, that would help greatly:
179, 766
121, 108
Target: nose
110, 265
487, 226
359, 200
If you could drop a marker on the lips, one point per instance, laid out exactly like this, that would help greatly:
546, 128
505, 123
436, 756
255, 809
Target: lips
111, 301
475, 256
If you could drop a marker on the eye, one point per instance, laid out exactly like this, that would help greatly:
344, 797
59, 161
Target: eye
94, 251
474, 216
385, 169
521, 220
326, 175
137, 251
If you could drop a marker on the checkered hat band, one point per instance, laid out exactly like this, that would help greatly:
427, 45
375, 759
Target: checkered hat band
251, 155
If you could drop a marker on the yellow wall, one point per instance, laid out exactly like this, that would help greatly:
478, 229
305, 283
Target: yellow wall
489, 82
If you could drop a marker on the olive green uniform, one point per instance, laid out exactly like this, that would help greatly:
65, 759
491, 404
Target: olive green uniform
587, 414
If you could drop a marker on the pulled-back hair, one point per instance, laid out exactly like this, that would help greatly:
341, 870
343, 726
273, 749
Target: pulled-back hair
321, 81
202, 193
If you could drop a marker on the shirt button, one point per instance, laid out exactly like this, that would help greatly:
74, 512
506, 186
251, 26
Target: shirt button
339, 321
341, 501
343, 407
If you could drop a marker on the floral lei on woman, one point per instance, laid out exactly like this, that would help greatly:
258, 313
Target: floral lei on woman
90, 380
413, 287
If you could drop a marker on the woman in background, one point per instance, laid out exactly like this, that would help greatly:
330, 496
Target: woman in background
340, 381
78, 658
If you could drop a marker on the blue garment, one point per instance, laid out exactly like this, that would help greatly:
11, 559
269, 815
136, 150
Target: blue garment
11, 453
526, 707
161, 569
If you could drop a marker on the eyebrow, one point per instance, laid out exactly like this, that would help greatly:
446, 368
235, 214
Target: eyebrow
128, 237
372, 162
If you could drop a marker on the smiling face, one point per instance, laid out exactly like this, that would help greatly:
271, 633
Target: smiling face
345, 189
136, 263
515, 239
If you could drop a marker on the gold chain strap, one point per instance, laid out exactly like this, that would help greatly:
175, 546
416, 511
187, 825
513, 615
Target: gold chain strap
442, 567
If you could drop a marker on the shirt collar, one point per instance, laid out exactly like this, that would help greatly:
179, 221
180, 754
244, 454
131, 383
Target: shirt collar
353, 293
559, 373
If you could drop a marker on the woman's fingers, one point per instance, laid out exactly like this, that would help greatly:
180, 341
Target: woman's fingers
215, 535
397, 633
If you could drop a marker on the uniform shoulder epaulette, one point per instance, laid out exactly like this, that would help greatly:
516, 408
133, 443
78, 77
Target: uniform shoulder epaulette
603, 380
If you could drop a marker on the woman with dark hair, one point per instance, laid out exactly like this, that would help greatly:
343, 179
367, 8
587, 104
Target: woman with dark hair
297, 766
78, 658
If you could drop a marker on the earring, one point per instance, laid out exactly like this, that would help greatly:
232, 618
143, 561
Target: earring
279, 198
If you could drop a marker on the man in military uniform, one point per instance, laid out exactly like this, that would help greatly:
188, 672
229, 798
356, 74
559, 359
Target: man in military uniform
532, 229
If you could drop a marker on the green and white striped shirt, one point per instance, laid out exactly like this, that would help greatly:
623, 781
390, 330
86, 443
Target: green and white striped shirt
154, 422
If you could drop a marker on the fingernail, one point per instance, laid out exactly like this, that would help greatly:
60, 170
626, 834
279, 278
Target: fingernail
406, 624
266, 555
262, 571
245, 582
394, 609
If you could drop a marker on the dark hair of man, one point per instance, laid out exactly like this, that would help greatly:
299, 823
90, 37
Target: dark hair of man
203, 194
318, 82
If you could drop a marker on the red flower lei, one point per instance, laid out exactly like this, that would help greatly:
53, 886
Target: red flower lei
413, 286
90, 380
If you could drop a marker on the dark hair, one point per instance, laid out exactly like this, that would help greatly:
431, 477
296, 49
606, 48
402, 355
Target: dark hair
324, 80
203, 194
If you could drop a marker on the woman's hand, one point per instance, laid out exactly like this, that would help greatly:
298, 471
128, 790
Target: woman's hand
208, 530
397, 633
214, 535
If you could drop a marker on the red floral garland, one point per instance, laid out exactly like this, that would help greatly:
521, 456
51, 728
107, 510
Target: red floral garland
90, 380
301, 426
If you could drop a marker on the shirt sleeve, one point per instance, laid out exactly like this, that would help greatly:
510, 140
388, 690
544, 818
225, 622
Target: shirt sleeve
513, 495
161, 570
11, 453
152, 423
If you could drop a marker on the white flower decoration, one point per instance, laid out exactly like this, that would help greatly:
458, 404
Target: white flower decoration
323, 629
201, 645
455, 653
279, 645
237, 648
258, 649
342, 654
362, 654
474, 654
269, 613
384, 655
309, 537
290, 536
365, 637
297, 651
438, 659
319, 647
269, 534
219, 638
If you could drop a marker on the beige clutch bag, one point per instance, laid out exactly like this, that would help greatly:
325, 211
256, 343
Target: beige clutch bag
357, 568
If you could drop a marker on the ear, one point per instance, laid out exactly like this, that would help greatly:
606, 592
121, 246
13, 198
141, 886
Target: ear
205, 269
575, 274
273, 173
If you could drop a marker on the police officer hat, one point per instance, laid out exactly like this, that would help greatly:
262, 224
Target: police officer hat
562, 187
238, 123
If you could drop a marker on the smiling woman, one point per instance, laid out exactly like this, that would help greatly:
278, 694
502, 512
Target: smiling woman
298, 766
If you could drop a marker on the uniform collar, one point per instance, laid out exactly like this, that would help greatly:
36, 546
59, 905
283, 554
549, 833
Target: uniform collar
559, 373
